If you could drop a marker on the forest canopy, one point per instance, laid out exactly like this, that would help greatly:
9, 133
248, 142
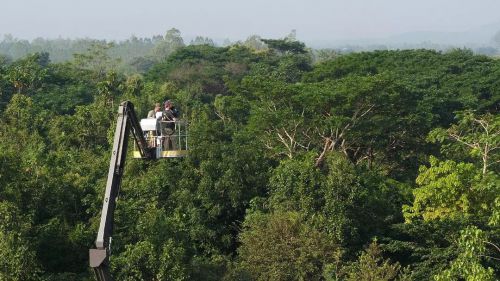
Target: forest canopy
379, 165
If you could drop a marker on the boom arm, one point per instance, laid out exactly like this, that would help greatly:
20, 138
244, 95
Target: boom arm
127, 120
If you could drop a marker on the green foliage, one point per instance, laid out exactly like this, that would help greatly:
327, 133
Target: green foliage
17, 256
349, 204
293, 167
323, 197
27, 74
282, 246
171, 42
18, 261
450, 189
447, 191
372, 266
96, 59
285, 46
468, 263
479, 135
232, 108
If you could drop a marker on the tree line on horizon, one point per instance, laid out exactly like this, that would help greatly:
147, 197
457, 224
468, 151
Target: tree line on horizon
138, 54
378, 165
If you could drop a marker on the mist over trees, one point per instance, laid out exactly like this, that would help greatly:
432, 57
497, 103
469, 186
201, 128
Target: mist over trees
139, 54
303, 164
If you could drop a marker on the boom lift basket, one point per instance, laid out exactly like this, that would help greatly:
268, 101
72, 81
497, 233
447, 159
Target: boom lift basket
169, 138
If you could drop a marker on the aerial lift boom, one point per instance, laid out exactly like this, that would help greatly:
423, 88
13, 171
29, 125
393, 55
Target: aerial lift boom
126, 122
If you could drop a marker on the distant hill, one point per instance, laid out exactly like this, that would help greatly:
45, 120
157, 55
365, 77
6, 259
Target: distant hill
477, 37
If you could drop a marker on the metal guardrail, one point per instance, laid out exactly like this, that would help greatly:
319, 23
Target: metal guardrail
170, 139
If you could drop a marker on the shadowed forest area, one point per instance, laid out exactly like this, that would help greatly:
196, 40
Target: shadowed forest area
303, 165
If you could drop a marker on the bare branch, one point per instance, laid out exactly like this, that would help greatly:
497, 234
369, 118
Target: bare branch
490, 257
493, 244
321, 157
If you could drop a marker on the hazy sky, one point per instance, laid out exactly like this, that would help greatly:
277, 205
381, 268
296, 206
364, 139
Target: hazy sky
233, 19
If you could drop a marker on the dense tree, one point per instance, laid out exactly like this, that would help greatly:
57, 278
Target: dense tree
200, 40
170, 43
27, 74
281, 246
468, 265
371, 266
294, 167
96, 59
286, 45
